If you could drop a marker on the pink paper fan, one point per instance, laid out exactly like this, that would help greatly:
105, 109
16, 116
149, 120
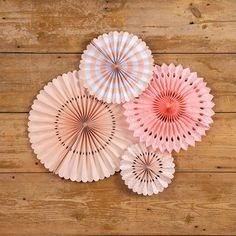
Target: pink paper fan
75, 135
116, 67
146, 171
173, 112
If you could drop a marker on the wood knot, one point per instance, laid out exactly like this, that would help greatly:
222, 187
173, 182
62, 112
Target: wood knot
195, 11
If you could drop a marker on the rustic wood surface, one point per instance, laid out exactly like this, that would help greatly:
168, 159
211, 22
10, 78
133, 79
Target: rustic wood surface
23, 75
42, 39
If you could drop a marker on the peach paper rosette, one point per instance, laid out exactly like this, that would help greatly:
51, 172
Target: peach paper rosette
75, 135
173, 112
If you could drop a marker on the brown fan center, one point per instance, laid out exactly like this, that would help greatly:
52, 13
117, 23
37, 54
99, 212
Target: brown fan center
74, 127
116, 67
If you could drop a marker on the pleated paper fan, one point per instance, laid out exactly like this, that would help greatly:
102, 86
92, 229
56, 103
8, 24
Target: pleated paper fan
116, 67
173, 112
75, 135
145, 170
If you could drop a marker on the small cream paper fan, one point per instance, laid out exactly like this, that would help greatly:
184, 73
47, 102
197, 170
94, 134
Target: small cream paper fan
145, 170
74, 134
116, 67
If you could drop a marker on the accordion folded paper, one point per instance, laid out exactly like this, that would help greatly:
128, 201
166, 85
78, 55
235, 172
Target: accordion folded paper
146, 171
75, 135
173, 112
116, 67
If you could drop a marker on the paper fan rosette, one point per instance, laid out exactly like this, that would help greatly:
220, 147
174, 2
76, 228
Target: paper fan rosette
173, 112
116, 67
75, 135
145, 170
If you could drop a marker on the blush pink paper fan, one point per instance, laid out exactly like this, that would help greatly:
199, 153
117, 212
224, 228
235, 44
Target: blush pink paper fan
145, 170
116, 67
173, 112
73, 134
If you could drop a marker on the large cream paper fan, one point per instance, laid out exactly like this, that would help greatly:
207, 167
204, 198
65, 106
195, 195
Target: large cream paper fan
75, 135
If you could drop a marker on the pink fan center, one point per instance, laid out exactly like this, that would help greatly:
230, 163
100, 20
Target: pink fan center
168, 107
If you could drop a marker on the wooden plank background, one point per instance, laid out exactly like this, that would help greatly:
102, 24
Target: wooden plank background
42, 39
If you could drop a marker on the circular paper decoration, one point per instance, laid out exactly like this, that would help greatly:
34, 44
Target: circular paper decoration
116, 67
75, 135
173, 112
146, 171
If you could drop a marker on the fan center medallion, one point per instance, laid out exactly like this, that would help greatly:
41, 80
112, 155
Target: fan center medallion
149, 169
168, 107
116, 67
86, 125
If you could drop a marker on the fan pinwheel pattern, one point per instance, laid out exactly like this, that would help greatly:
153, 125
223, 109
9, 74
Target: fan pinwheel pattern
145, 170
173, 112
75, 135
116, 67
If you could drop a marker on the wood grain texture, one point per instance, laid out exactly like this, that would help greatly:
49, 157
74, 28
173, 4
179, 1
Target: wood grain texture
166, 26
22, 76
42, 39
214, 153
42, 204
